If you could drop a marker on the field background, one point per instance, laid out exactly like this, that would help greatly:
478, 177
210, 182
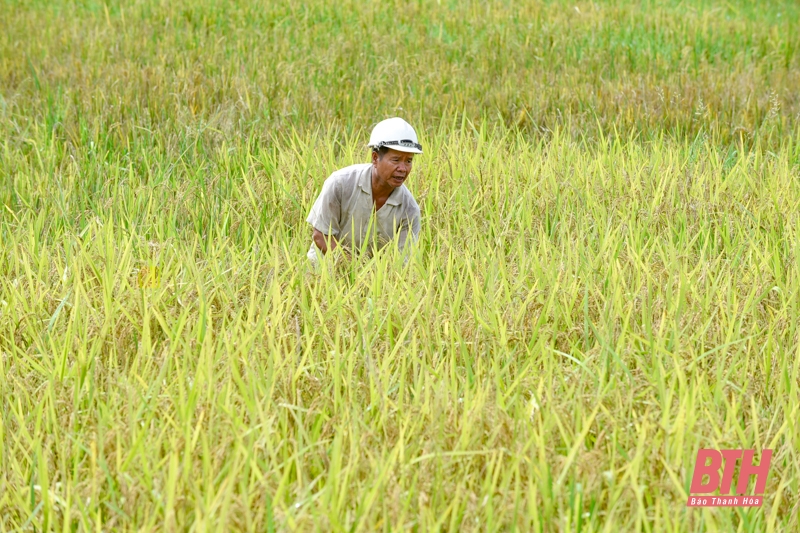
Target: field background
606, 281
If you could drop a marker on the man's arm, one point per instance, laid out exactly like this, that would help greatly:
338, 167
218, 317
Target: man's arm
325, 214
321, 240
408, 238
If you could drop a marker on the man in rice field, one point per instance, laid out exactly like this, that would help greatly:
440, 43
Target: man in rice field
364, 206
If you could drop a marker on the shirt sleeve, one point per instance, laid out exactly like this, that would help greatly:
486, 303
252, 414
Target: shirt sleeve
327, 209
412, 224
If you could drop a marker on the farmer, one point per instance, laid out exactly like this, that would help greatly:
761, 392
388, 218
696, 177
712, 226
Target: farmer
364, 206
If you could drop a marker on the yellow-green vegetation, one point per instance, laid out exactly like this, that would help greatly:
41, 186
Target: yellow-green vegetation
606, 279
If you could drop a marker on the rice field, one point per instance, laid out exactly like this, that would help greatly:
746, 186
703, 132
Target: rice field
606, 279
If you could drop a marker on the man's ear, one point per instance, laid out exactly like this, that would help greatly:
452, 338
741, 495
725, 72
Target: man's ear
374, 157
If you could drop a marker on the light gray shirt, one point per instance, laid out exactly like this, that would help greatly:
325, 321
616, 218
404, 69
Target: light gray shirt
344, 209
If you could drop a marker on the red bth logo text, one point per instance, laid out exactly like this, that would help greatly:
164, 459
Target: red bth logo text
700, 493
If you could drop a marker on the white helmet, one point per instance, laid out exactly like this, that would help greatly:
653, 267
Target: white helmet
395, 133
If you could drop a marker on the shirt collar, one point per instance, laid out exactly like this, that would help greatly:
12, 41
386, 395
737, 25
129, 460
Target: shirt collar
396, 196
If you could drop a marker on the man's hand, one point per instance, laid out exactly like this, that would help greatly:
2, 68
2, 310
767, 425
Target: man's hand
322, 240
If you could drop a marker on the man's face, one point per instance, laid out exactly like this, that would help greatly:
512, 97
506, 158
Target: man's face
393, 167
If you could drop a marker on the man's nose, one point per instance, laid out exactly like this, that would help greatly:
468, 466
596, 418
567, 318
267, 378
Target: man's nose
405, 168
